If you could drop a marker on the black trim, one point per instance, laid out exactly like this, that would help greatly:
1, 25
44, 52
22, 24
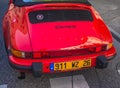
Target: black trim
20, 67
41, 16
112, 57
20, 3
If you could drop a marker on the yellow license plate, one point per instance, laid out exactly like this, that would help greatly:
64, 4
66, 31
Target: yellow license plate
62, 66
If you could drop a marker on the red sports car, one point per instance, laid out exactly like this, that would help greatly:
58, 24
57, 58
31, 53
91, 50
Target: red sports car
47, 36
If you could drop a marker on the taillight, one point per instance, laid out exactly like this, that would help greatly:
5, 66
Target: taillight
97, 48
101, 48
21, 54
109, 46
18, 53
92, 49
36, 55
28, 54
47, 54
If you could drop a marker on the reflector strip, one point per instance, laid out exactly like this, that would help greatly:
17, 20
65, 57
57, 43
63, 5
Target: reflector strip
52, 67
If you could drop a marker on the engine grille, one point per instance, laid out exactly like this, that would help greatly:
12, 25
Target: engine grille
59, 15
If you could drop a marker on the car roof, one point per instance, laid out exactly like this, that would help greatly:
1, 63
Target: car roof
21, 3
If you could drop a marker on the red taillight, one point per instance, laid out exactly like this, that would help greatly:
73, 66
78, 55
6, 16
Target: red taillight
37, 55
97, 49
92, 49
45, 55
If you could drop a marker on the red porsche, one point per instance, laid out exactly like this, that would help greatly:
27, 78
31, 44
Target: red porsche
47, 36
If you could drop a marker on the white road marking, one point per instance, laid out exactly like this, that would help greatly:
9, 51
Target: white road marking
62, 82
3, 86
119, 71
77, 81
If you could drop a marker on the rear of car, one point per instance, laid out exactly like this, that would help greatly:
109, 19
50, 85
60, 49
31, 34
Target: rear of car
57, 37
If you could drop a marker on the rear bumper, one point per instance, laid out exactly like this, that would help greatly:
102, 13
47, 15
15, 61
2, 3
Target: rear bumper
27, 64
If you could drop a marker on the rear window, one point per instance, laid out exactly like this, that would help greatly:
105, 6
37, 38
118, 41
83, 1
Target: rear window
33, 2
51, 0
59, 15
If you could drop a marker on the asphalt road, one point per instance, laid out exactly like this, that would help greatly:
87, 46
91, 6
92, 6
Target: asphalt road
95, 78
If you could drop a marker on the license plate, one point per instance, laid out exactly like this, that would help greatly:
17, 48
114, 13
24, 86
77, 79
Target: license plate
62, 66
